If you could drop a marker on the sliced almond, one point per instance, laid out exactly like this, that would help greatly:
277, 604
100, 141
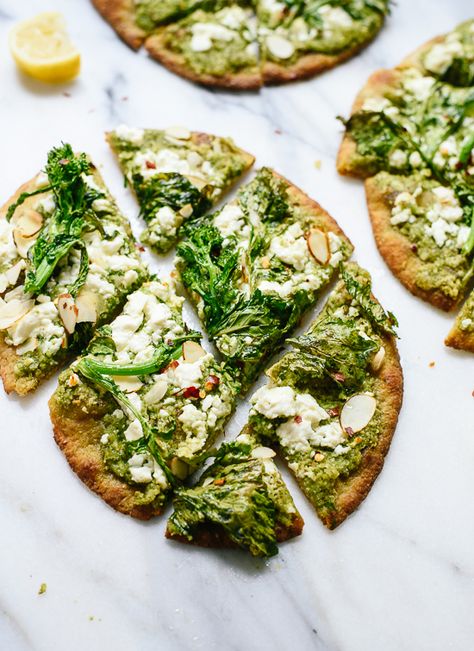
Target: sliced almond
179, 468
192, 351
22, 243
128, 383
68, 312
186, 211
12, 311
318, 246
196, 181
262, 453
29, 222
86, 311
156, 393
280, 47
378, 359
357, 412
180, 133
14, 272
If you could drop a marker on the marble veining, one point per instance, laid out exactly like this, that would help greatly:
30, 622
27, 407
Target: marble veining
398, 575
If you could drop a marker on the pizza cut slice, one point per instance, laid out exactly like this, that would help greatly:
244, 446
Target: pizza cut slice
300, 38
253, 268
241, 501
332, 403
138, 412
217, 48
67, 262
461, 335
422, 230
176, 175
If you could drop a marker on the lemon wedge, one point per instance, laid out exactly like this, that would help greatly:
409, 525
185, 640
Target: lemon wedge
42, 49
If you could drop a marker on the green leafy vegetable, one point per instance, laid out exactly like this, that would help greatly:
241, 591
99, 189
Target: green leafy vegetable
72, 216
361, 292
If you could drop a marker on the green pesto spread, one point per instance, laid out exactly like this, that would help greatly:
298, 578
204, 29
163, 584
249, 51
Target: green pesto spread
241, 494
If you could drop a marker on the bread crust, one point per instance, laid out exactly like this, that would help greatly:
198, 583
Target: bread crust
176, 63
397, 251
120, 15
215, 536
457, 337
78, 434
377, 84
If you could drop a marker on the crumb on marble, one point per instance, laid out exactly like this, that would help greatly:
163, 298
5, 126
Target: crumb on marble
317, 164
42, 589
431, 364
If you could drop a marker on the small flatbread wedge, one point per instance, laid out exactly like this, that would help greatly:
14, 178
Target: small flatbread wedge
67, 262
239, 501
139, 411
253, 268
461, 335
300, 39
424, 252
332, 403
213, 48
176, 174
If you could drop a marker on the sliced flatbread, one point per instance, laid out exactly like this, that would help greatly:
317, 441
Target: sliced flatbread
300, 39
121, 15
332, 405
176, 174
212, 48
461, 335
253, 268
240, 501
62, 273
140, 410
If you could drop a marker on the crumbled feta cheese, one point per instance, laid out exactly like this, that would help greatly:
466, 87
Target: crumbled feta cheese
291, 247
398, 158
132, 134
441, 55
203, 34
134, 431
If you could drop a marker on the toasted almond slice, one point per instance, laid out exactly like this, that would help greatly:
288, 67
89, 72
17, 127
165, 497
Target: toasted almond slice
318, 246
128, 383
86, 311
12, 311
68, 312
186, 211
156, 393
280, 47
357, 412
378, 359
22, 243
196, 181
14, 272
262, 453
29, 222
192, 351
180, 133
179, 468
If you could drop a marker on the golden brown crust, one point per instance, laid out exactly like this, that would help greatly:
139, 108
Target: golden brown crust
389, 394
397, 251
120, 14
215, 536
78, 436
250, 80
377, 85
308, 65
413, 60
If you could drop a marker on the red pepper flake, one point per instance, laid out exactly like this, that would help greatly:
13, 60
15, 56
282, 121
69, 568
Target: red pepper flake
64, 161
191, 392
334, 411
349, 431
140, 247
150, 165
278, 132
414, 248
173, 364
66, 94
339, 377
298, 419
211, 382
219, 482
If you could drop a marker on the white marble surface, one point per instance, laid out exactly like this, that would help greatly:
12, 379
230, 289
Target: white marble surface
399, 574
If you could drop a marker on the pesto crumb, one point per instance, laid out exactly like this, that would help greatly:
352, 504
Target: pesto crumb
42, 589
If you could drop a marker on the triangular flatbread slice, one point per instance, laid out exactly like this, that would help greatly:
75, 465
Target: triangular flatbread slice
253, 268
461, 335
332, 405
241, 501
139, 411
68, 260
176, 175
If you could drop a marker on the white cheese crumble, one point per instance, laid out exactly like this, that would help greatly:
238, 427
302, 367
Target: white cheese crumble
132, 134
